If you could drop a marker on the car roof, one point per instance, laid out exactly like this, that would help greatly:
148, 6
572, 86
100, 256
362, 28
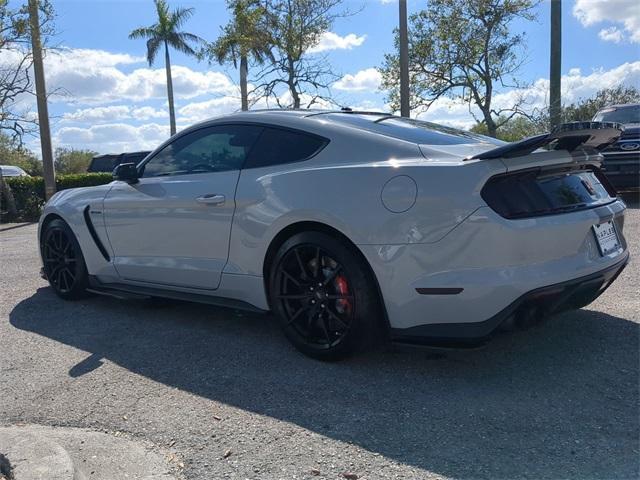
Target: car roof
366, 122
277, 115
620, 105
103, 155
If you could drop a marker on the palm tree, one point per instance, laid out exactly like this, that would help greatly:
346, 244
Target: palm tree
165, 33
244, 37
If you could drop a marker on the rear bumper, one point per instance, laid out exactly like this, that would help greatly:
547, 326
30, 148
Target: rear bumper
485, 266
533, 305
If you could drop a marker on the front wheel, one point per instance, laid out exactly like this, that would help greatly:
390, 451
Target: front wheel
323, 296
64, 264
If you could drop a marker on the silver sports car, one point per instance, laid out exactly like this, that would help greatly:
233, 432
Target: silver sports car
349, 226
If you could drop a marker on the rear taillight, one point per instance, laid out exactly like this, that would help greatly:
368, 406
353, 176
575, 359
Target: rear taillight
539, 192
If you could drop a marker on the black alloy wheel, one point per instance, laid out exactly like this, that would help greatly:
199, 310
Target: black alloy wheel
63, 262
323, 296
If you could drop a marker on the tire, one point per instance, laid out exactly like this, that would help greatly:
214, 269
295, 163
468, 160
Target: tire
323, 296
64, 264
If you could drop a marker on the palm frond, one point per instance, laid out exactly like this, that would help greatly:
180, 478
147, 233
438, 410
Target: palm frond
179, 16
190, 37
143, 32
153, 45
179, 44
225, 49
162, 9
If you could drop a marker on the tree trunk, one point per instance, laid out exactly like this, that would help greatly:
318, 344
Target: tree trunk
244, 68
492, 128
555, 67
294, 95
172, 111
404, 61
48, 169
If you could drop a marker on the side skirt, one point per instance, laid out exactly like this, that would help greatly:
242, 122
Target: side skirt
132, 292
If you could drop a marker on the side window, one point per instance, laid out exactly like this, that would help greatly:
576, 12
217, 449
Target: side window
210, 149
277, 146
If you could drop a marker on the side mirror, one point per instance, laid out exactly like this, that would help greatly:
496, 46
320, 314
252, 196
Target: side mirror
126, 172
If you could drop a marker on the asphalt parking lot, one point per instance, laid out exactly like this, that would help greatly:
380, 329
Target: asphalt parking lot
224, 393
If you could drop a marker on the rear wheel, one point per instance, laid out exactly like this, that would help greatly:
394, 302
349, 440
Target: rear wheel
64, 264
324, 296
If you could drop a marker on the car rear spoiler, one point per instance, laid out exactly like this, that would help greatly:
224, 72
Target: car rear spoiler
568, 136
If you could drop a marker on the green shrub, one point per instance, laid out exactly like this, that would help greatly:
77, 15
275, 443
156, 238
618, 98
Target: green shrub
28, 192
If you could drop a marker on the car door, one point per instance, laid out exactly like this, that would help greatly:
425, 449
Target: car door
172, 227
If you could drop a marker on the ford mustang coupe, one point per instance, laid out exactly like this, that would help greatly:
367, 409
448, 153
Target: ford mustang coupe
349, 226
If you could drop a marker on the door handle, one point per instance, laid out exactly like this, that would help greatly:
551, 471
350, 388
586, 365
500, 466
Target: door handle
211, 199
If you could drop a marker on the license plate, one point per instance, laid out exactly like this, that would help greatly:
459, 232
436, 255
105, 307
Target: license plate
606, 237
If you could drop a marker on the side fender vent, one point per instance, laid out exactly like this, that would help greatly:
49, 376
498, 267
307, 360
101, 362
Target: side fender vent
94, 235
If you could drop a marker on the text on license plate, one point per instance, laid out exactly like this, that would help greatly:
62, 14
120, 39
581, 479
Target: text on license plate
606, 237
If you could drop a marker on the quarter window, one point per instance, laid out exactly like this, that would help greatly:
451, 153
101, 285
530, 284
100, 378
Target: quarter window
276, 146
210, 149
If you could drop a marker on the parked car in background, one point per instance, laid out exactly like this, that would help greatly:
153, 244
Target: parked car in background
11, 171
109, 161
622, 159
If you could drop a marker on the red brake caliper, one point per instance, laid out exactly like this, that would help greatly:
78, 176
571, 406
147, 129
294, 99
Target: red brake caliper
342, 288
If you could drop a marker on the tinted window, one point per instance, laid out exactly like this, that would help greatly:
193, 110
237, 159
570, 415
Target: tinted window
211, 149
415, 131
630, 114
135, 157
277, 146
104, 163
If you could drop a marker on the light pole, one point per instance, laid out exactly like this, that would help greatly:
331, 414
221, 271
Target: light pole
555, 102
404, 60
41, 98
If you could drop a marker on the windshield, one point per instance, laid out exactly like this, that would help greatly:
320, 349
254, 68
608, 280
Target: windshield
630, 114
11, 171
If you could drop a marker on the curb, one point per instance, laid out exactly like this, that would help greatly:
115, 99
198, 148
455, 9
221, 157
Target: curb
60, 453
34, 457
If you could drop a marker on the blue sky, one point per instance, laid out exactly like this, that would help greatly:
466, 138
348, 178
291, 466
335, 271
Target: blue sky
113, 101
112, 20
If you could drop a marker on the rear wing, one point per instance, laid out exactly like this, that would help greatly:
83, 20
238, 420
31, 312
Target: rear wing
568, 136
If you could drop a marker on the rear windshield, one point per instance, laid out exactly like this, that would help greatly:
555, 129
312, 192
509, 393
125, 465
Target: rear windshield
630, 114
410, 130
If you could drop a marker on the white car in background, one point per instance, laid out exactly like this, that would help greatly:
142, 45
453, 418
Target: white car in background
349, 226
11, 171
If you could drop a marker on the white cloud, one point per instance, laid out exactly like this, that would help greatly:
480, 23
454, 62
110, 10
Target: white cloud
611, 34
333, 41
72, 57
364, 80
625, 12
198, 111
113, 112
95, 77
146, 113
113, 138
